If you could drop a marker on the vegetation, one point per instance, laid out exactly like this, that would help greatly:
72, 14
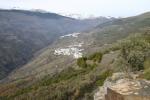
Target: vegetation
90, 61
146, 74
81, 62
134, 51
96, 57
147, 63
103, 77
69, 84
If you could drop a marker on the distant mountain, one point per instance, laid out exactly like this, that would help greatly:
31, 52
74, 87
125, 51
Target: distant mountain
22, 33
79, 16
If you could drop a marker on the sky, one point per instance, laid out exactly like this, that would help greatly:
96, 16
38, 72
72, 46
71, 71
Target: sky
114, 8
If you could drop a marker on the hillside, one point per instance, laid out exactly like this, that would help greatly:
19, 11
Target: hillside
58, 73
22, 33
89, 72
113, 30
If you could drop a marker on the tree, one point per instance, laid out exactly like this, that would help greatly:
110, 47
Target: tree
134, 51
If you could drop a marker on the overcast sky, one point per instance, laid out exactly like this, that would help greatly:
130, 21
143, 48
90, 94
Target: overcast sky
115, 8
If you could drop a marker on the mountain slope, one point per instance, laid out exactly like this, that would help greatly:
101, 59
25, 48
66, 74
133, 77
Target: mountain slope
76, 83
22, 33
86, 43
113, 30
59, 76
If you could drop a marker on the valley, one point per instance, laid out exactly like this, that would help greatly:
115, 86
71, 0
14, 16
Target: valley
26, 32
77, 63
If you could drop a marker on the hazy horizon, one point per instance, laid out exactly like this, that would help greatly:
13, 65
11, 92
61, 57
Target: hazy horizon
114, 8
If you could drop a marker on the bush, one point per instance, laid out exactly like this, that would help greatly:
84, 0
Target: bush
147, 63
136, 60
147, 75
147, 69
102, 77
81, 62
134, 51
96, 57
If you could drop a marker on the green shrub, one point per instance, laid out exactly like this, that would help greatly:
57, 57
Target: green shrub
147, 75
63, 76
92, 66
147, 69
136, 60
96, 57
147, 63
81, 62
134, 51
102, 77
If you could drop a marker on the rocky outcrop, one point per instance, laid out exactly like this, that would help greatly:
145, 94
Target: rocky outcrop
129, 90
102, 91
118, 87
113, 95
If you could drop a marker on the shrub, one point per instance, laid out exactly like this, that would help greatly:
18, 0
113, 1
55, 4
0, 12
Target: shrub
136, 60
134, 51
81, 62
96, 57
147, 69
102, 77
147, 63
146, 75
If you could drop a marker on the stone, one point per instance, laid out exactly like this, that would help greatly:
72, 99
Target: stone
118, 87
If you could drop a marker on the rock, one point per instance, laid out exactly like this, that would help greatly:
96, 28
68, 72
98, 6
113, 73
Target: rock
118, 87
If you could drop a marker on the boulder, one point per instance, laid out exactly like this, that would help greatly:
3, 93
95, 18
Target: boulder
119, 87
